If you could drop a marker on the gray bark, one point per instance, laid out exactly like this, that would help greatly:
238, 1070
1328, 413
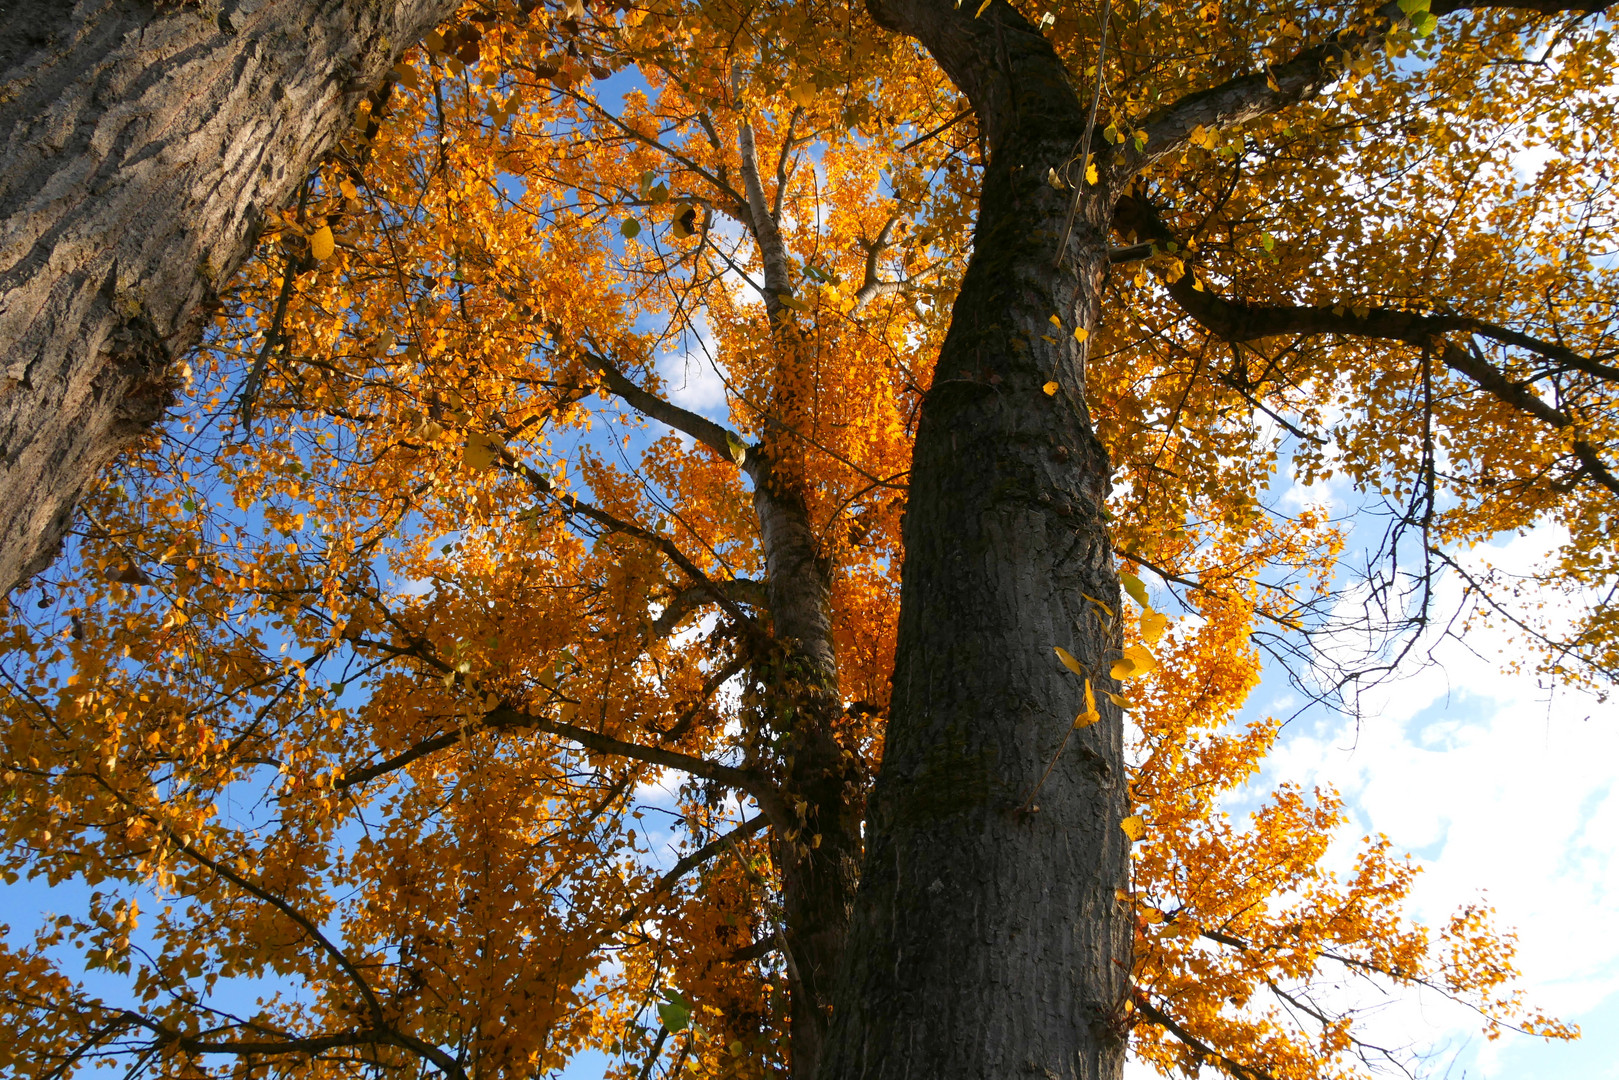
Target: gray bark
987, 940
141, 147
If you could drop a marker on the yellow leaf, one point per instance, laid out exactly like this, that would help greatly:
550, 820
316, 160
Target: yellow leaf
1055, 321
1098, 603
1135, 661
1090, 170
480, 452
981, 8
1081, 334
1068, 660
1133, 586
1118, 699
1121, 895
348, 189
1153, 625
802, 95
1050, 388
738, 449
321, 242
1090, 715
1134, 827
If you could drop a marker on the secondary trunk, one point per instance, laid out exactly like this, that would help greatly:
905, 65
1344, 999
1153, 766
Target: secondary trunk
141, 146
820, 863
987, 938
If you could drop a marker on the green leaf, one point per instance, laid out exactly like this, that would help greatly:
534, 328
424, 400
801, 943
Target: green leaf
739, 449
630, 228
675, 1012
1424, 24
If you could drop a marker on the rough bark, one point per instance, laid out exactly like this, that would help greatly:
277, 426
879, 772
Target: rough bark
142, 145
987, 940
820, 864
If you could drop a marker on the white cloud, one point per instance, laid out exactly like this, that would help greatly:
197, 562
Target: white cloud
1502, 786
692, 380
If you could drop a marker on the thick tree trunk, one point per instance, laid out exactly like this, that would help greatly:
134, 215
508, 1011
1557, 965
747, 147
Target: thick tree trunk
141, 146
987, 939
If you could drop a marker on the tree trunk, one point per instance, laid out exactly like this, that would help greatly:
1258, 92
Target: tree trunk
820, 781
987, 938
142, 145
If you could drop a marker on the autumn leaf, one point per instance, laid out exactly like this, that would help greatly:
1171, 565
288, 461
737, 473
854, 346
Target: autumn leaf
321, 243
1135, 588
481, 451
1135, 662
1090, 715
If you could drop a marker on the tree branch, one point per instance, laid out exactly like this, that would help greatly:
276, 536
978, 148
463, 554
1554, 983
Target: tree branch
1164, 1020
690, 862
715, 436
1310, 71
1238, 322
772, 251
737, 590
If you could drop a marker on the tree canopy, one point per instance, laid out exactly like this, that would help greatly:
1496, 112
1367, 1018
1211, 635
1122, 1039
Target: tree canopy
377, 680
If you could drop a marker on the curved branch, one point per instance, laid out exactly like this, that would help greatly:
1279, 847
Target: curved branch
1157, 1016
737, 590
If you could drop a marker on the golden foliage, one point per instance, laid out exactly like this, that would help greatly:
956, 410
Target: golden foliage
358, 687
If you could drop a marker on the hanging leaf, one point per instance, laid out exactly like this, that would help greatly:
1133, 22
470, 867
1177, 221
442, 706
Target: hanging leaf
675, 1012
1068, 660
1090, 715
1134, 827
321, 243
1133, 586
1135, 661
1050, 388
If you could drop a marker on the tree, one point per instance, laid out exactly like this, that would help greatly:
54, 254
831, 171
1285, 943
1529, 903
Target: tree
145, 143
368, 663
